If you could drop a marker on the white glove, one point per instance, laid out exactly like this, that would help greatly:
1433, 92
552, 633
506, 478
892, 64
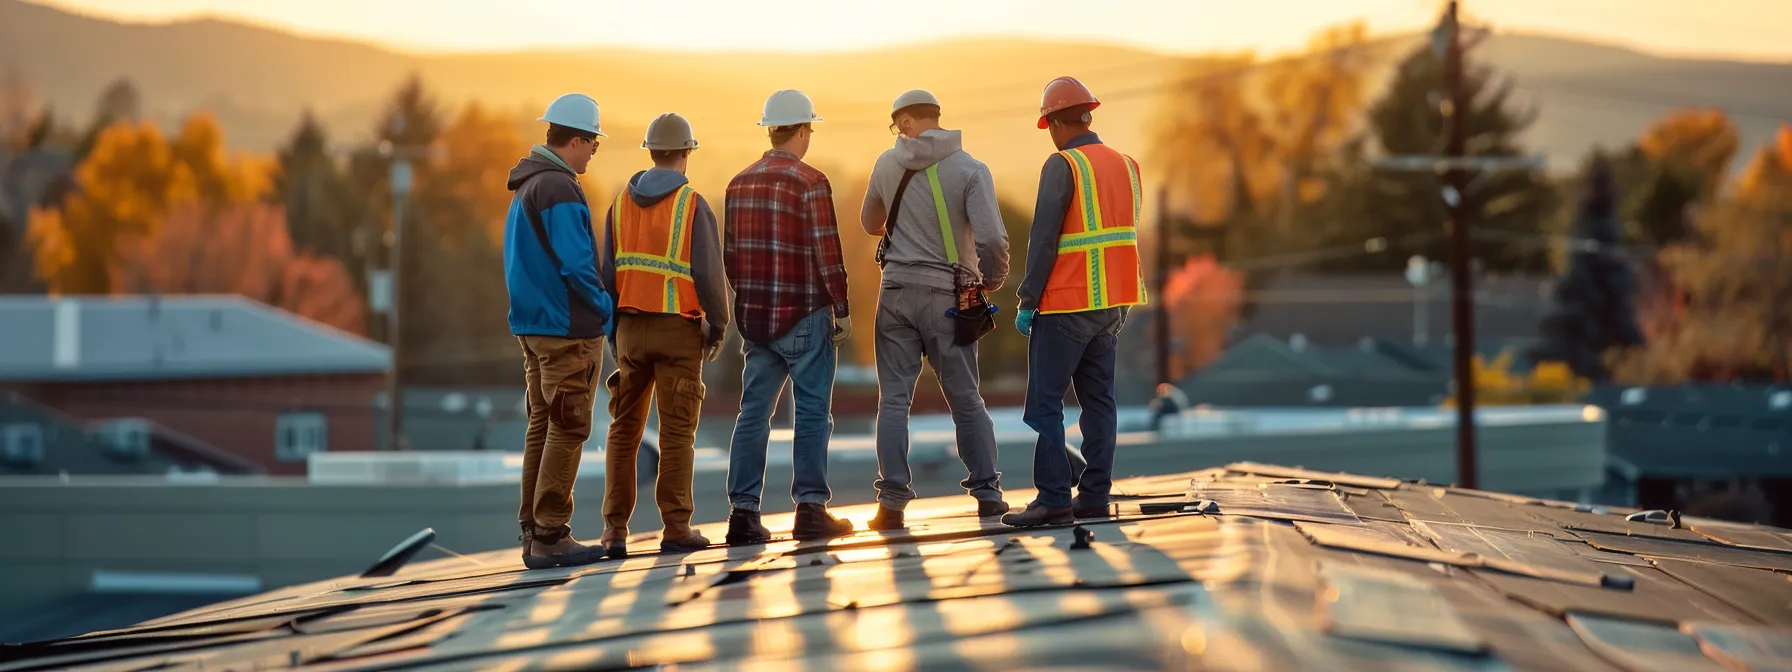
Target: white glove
712, 352
842, 330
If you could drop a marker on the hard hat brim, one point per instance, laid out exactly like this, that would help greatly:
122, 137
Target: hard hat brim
762, 122
1046, 113
600, 133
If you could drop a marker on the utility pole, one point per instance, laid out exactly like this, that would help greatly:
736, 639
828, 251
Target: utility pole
1456, 168
1462, 306
401, 178
1163, 281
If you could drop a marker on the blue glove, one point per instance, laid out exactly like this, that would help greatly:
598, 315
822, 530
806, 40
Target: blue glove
1023, 320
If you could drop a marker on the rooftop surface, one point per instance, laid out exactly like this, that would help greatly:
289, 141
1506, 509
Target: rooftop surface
1246, 567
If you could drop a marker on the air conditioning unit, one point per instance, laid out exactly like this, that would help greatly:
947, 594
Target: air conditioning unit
22, 444
124, 439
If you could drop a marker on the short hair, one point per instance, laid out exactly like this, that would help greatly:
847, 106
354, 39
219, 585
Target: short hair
918, 111
783, 134
662, 157
1077, 116
561, 136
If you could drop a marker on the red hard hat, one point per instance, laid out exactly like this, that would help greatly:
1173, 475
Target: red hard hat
1063, 93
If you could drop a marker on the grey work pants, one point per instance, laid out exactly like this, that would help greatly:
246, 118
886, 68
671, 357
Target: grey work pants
911, 324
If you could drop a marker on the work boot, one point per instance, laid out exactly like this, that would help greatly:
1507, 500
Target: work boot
615, 543
990, 508
1037, 515
528, 534
692, 543
555, 547
886, 519
1090, 507
744, 529
814, 522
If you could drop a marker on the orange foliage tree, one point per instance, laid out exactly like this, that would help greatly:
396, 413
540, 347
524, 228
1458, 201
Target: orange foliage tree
123, 187
241, 248
1204, 299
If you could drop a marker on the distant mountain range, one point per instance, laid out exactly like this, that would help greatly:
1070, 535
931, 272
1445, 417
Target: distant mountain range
257, 81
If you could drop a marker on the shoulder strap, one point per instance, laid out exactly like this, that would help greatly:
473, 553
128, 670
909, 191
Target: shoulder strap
541, 234
939, 208
890, 217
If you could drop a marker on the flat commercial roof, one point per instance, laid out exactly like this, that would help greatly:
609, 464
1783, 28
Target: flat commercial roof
1245, 567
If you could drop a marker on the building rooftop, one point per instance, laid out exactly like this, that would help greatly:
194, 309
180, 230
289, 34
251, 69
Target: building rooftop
1246, 567
49, 339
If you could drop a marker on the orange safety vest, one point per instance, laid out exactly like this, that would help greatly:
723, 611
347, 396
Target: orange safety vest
1098, 247
653, 254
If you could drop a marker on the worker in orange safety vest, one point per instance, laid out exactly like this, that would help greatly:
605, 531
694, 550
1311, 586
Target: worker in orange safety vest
1082, 275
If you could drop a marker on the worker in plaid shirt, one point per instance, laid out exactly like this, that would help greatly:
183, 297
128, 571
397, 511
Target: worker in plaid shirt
782, 253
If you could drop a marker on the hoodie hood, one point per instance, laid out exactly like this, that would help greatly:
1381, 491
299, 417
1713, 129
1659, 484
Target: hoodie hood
933, 146
535, 164
654, 185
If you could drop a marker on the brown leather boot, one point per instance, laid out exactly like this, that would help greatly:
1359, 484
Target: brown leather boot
555, 547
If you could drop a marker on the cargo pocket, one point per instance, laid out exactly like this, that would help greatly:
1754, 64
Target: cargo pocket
570, 407
685, 404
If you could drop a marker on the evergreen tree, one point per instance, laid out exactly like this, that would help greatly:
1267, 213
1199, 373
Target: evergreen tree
1407, 207
308, 184
1595, 301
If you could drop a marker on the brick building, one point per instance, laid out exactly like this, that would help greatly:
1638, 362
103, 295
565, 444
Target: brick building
192, 375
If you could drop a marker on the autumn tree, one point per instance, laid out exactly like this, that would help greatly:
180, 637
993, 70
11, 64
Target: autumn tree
1513, 206
1734, 278
1594, 310
1203, 299
240, 248
1689, 155
1251, 146
308, 185
123, 187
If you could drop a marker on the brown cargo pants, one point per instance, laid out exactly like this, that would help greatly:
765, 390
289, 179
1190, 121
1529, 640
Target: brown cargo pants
664, 354
559, 373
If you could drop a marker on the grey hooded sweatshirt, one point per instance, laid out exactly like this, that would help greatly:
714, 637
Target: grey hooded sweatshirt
652, 186
917, 251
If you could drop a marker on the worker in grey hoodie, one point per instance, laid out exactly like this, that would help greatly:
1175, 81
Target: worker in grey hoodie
947, 223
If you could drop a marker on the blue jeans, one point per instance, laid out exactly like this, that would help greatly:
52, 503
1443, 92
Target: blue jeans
1080, 349
805, 356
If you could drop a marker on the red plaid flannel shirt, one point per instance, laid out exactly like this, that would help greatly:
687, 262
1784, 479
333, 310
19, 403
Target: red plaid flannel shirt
782, 246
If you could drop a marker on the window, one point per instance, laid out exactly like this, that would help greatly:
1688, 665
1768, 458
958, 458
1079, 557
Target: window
297, 435
22, 445
124, 438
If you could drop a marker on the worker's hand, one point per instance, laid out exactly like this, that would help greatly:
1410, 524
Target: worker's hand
1023, 320
608, 308
712, 352
842, 330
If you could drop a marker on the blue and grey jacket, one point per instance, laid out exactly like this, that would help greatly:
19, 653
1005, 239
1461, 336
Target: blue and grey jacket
550, 254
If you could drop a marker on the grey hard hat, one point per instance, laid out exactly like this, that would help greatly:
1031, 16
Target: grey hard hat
669, 131
913, 97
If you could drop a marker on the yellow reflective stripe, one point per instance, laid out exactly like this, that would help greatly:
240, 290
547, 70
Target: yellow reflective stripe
616, 217
674, 246
1085, 186
649, 263
1097, 240
1087, 193
939, 208
1132, 173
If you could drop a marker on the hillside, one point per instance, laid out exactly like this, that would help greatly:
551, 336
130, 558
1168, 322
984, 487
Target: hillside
258, 81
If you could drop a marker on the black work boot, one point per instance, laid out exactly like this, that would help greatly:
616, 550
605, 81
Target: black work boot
814, 522
1091, 507
886, 519
691, 543
615, 543
744, 529
990, 508
1036, 515
555, 547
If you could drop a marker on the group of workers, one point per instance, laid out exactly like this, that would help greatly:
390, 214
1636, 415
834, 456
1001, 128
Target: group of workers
656, 276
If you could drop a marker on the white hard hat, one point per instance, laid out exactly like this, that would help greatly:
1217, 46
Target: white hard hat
574, 110
914, 97
669, 131
788, 108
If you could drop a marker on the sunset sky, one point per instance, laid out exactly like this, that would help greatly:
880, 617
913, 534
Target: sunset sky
1743, 29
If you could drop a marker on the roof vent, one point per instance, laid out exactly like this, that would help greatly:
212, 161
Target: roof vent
1633, 396
1297, 342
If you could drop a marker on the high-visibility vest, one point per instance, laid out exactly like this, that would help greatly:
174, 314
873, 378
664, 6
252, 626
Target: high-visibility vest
653, 254
1098, 247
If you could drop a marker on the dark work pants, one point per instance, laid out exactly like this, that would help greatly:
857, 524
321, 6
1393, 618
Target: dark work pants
1073, 349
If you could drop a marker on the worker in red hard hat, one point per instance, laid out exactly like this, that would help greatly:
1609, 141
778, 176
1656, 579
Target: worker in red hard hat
1083, 274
